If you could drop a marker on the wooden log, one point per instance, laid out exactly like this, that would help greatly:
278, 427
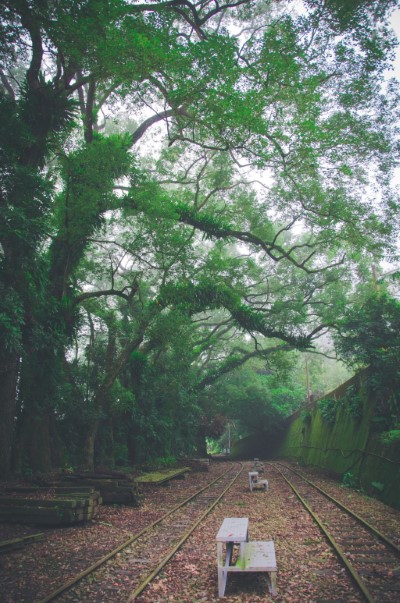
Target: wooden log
17, 543
50, 489
15, 510
8, 488
96, 499
45, 515
89, 481
97, 475
53, 502
35, 517
127, 497
112, 491
78, 489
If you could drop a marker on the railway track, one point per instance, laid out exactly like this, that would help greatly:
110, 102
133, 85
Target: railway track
123, 574
371, 558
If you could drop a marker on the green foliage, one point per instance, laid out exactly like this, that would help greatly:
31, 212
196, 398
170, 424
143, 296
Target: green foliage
24, 218
46, 114
122, 400
369, 336
328, 408
255, 413
166, 461
353, 403
89, 175
350, 480
351, 13
253, 398
198, 297
165, 419
194, 298
11, 320
211, 225
162, 273
389, 437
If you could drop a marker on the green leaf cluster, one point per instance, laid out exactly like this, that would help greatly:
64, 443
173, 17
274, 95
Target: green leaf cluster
328, 408
368, 336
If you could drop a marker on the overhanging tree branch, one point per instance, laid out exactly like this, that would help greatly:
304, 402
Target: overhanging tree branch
140, 131
272, 249
107, 293
236, 361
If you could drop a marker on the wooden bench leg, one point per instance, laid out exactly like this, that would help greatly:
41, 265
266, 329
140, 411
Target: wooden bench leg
222, 577
223, 574
272, 583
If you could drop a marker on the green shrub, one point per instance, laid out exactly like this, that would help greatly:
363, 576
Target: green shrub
369, 336
388, 437
351, 481
328, 409
353, 403
166, 461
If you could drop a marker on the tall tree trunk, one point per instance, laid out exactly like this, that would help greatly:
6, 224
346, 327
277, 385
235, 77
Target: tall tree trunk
41, 372
110, 448
90, 442
34, 443
8, 386
131, 445
201, 444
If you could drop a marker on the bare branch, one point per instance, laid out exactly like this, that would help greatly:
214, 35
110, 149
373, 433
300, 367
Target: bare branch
140, 131
108, 292
190, 12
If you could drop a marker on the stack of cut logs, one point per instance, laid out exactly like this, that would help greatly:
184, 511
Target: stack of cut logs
66, 499
114, 486
50, 506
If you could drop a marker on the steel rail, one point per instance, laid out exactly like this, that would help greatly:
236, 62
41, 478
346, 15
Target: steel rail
184, 538
53, 595
349, 511
337, 548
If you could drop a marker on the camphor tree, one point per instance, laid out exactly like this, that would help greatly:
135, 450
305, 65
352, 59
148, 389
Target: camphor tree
297, 96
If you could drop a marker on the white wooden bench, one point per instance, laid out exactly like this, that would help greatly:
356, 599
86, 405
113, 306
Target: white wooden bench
254, 482
256, 556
